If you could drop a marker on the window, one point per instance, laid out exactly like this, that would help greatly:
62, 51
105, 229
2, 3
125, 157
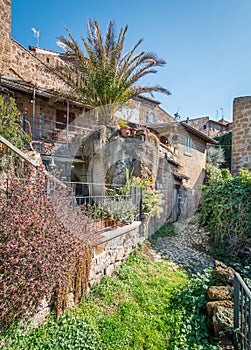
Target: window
61, 119
188, 145
151, 117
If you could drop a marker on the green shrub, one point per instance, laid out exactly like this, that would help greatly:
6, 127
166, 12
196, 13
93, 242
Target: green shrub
225, 212
10, 123
164, 231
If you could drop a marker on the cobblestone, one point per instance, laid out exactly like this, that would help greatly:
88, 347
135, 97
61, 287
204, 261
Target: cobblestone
188, 248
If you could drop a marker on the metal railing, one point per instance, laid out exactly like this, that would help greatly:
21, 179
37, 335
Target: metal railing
101, 207
242, 314
46, 129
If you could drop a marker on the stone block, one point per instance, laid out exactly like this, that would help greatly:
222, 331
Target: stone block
99, 249
223, 274
39, 317
120, 254
216, 293
223, 320
109, 270
70, 300
213, 305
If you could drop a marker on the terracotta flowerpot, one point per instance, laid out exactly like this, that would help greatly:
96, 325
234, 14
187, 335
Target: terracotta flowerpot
125, 130
133, 131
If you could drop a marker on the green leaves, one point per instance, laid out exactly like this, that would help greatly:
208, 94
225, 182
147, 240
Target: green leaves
147, 305
10, 123
225, 212
103, 74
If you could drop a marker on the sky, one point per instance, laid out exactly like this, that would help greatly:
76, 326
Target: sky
206, 43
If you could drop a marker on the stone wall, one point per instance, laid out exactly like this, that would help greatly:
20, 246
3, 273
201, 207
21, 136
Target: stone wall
165, 184
5, 19
114, 248
18, 63
193, 165
241, 134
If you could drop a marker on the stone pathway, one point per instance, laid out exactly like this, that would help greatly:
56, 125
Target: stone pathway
188, 248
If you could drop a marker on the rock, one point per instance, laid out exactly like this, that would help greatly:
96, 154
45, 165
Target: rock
223, 274
70, 300
223, 320
213, 305
220, 293
39, 317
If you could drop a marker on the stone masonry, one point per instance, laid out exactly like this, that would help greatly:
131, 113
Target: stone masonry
241, 142
18, 63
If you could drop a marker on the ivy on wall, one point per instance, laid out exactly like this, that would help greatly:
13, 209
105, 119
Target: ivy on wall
225, 141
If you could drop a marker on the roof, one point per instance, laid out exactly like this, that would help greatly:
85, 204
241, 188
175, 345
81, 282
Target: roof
165, 128
44, 51
151, 100
198, 133
24, 86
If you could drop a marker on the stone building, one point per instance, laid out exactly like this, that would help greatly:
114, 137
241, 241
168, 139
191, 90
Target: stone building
178, 152
241, 134
209, 126
186, 155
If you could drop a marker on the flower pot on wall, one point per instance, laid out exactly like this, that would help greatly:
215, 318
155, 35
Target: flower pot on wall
125, 130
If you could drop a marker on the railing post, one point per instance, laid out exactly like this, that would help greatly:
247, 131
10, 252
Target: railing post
40, 126
32, 127
140, 203
236, 309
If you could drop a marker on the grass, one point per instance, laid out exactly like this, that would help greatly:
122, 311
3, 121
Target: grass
164, 231
148, 305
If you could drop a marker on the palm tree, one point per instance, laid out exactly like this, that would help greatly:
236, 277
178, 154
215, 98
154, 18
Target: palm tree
104, 76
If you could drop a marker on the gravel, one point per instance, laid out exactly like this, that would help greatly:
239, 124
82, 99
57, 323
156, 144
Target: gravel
188, 248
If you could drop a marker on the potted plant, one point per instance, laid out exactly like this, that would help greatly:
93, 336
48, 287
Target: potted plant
124, 128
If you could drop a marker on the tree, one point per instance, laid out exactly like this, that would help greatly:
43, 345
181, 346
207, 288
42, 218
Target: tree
215, 156
104, 75
225, 141
10, 120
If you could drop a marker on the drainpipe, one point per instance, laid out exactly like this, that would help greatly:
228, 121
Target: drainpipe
33, 111
67, 117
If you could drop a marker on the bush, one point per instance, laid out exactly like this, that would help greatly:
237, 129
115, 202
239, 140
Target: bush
225, 141
225, 212
10, 121
39, 256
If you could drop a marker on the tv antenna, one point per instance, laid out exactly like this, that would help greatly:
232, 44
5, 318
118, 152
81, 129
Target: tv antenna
176, 115
36, 34
222, 115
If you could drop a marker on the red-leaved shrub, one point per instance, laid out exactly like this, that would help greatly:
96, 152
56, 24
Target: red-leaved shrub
39, 255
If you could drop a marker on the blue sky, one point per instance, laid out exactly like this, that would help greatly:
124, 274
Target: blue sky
206, 43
